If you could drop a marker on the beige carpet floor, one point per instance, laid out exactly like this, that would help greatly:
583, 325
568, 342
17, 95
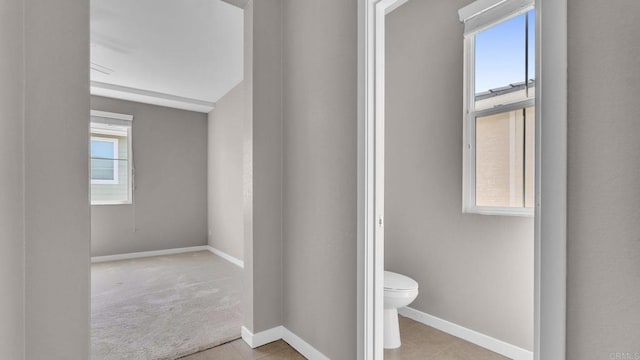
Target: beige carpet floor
163, 307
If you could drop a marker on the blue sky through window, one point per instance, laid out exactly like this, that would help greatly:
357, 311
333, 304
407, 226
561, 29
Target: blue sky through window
500, 53
102, 149
101, 168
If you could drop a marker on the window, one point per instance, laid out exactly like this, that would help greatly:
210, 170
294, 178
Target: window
104, 160
499, 108
111, 172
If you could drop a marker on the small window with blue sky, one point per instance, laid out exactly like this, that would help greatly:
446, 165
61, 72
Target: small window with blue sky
111, 173
104, 160
500, 121
500, 53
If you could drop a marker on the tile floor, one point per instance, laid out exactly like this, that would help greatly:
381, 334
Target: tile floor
239, 350
419, 342
425, 343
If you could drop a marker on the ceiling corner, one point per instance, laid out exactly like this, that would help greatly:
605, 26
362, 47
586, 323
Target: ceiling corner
239, 3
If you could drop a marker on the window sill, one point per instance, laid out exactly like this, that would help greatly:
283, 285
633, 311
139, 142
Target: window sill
101, 203
522, 212
105, 182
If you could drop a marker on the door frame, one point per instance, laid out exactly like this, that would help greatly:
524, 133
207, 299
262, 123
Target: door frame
550, 227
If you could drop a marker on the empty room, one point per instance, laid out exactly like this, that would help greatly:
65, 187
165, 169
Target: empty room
158, 68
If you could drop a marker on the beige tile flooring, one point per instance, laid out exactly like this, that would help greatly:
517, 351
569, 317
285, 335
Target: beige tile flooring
239, 350
419, 342
425, 343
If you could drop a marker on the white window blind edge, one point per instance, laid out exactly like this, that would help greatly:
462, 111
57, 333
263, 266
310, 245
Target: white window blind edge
476, 8
111, 115
104, 122
476, 18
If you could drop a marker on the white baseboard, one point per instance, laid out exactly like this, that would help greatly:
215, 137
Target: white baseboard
226, 256
302, 346
280, 332
261, 338
472, 336
143, 254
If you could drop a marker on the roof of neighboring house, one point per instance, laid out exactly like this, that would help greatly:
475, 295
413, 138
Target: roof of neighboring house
504, 90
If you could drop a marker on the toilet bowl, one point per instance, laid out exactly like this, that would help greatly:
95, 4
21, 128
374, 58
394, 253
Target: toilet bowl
399, 291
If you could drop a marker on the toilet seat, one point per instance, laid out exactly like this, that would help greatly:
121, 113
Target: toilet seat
398, 282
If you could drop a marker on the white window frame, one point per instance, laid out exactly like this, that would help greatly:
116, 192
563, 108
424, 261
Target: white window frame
116, 150
484, 18
130, 166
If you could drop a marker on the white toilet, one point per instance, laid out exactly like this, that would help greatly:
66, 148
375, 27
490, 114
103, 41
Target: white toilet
399, 291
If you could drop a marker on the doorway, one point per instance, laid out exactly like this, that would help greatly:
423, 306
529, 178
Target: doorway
550, 175
161, 287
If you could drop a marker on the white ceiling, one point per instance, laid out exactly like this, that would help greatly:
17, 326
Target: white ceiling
178, 53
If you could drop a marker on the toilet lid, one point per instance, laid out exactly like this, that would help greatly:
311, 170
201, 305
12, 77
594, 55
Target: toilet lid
395, 281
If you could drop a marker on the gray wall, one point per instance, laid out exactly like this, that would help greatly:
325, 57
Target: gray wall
225, 213
603, 218
267, 163
262, 166
11, 182
56, 134
320, 155
473, 270
603, 286
169, 201
247, 169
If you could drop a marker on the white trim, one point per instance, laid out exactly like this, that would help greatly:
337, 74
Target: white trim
281, 332
551, 164
143, 254
476, 8
261, 338
101, 203
550, 275
111, 115
150, 97
371, 24
392, 5
500, 211
109, 130
302, 346
364, 316
499, 109
370, 150
235, 261
482, 14
472, 336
